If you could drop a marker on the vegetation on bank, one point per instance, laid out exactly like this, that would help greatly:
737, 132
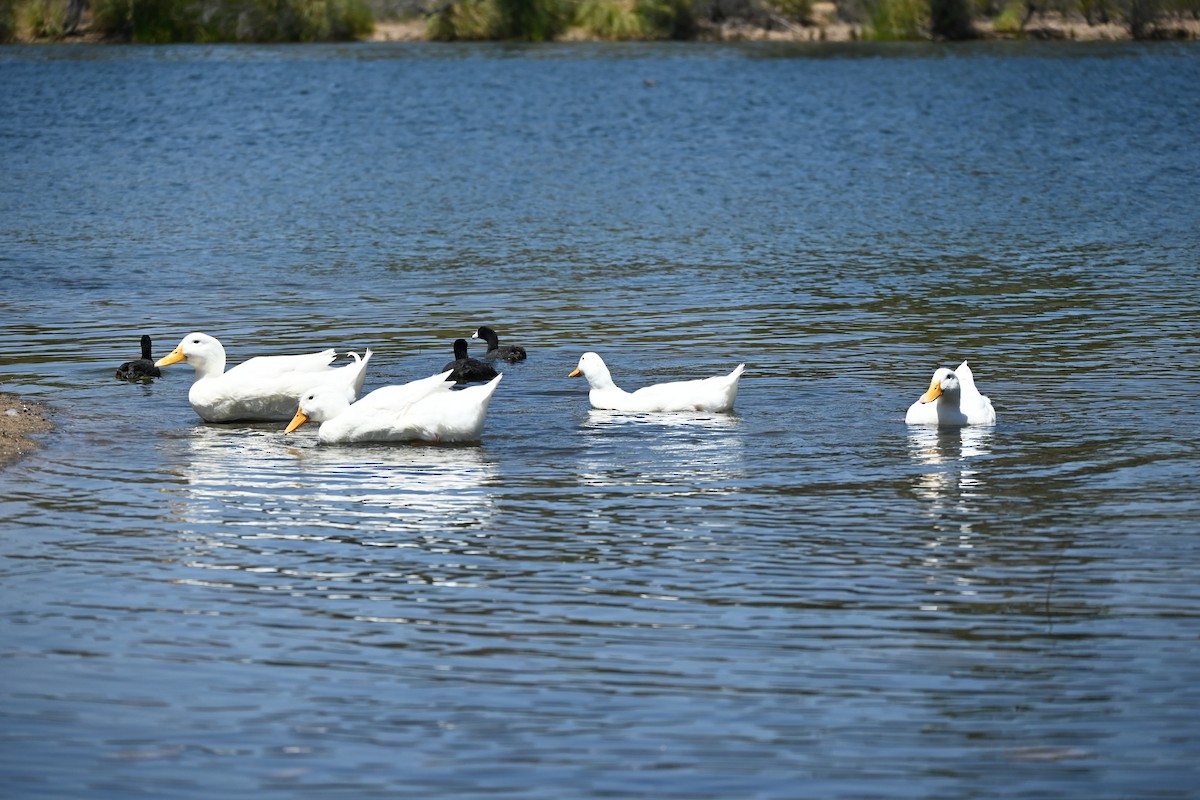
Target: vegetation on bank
161, 21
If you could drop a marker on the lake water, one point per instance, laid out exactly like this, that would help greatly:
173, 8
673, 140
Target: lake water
803, 599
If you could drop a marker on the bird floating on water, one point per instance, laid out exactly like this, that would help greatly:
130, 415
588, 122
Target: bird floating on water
512, 353
715, 394
264, 388
952, 400
141, 369
464, 369
425, 410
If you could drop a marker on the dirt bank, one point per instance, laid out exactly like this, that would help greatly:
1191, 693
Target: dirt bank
19, 420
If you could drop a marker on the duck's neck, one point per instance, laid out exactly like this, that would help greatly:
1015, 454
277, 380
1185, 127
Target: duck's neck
599, 378
146, 348
208, 367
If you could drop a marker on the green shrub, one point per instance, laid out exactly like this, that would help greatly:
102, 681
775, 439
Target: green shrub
798, 10
1141, 16
8, 21
42, 19
897, 19
951, 19
466, 20
160, 21
667, 19
1011, 18
532, 20
524, 20
614, 20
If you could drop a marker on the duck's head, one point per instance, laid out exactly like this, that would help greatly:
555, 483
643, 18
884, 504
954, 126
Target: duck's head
319, 405
592, 367
589, 364
200, 350
460, 349
944, 382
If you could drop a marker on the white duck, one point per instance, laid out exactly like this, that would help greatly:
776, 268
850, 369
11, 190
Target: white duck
262, 388
952, 401
425, 410
707, 394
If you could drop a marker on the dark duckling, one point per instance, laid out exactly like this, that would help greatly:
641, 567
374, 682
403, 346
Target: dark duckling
141, 369
511, 353
467, 370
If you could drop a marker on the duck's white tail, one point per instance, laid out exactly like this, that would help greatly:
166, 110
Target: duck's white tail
357, 372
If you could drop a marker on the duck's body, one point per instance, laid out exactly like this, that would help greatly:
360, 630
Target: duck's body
715, 394
264, 388
425, 410
464, 369
512, 353
141, 369
952, 401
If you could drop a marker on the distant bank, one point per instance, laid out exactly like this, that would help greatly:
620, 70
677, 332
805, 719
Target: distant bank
211, 21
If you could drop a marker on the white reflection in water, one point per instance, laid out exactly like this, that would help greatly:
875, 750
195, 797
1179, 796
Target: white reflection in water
684, 453
951, 488
598, 418
262, 484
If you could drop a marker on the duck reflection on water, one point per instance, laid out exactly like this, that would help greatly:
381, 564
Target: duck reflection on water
250, 481
677, 453
950, 489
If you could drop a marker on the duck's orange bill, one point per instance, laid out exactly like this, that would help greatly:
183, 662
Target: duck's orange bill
935, 391
174, 357
575, 374
296, 422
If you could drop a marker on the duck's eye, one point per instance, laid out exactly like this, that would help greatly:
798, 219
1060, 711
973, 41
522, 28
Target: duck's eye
195, 341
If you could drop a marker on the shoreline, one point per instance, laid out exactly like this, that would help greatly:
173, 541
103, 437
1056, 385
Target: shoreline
1045, 27
19, 420
825, 27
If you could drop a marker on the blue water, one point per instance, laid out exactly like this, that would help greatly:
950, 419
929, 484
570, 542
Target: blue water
803, 599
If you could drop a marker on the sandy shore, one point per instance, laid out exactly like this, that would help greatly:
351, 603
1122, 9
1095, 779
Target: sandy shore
19, 420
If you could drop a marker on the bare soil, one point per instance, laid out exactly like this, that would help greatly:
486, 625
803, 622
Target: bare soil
19, 420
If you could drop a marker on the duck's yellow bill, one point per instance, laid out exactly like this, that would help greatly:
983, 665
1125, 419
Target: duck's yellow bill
575, 374
173, 357
935, 391
296, 422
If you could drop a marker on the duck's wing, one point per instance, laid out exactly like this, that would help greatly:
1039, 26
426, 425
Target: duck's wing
392, 400
266, 366
457, 416
693, 390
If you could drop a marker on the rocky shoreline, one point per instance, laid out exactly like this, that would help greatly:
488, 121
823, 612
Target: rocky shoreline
20, 420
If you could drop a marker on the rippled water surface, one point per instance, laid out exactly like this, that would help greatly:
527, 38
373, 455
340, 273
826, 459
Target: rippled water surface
805, 598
